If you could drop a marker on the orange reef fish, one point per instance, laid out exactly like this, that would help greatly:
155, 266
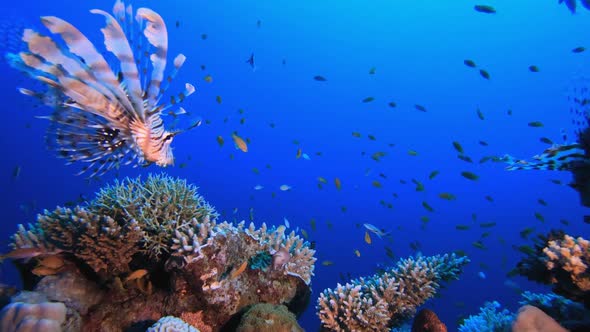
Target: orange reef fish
240, 143
105, 114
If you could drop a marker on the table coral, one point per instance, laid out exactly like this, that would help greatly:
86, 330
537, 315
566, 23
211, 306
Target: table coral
385, 300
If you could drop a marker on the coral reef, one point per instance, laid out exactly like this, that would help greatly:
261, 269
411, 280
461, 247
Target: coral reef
264, 317
531, 318
427, 321
489, 319
562, 261
146, 249
385, 300
171, 324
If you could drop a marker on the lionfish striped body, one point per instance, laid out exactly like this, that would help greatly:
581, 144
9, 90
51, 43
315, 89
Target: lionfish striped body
102, 117
574, 157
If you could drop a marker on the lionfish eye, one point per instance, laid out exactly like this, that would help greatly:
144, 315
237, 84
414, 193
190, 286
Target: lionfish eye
168, 137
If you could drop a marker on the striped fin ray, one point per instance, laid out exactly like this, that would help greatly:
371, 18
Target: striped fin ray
80, 136
116, 43
189, 89
555, 158
79, 45
83, 96
178, 62
74, 81
52, 54
157, 35
38, 65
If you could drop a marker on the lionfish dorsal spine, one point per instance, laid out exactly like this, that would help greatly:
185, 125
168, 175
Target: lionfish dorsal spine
95, 63
156, 34
116, 42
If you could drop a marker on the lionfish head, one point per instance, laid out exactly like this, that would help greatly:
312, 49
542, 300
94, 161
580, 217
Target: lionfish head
164, 156
153, 142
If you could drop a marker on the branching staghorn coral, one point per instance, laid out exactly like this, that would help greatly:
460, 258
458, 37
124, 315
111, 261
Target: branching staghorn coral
161, 204
385, 300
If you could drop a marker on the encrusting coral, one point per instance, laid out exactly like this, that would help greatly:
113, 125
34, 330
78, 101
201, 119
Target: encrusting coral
387, 299
155, 248
23, 317
264, 317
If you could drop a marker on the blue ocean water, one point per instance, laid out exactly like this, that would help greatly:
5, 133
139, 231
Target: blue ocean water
417, 49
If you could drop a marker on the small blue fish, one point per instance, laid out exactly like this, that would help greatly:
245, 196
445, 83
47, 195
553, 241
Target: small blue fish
250, 61
373, 229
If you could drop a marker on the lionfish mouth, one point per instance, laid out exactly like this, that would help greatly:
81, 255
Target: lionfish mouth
105, 114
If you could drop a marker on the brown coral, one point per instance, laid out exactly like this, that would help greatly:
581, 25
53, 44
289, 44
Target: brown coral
264, 317
98, 240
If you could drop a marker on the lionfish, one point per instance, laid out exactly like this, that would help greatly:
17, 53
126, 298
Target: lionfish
105, 117
571, 4
567, 156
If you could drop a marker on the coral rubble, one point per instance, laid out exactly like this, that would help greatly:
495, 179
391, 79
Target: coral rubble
387, 299
146, 249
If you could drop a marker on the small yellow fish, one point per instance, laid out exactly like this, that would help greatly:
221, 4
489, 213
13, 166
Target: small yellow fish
52, 262
239, 270
412, 153
137, 274
327, 263
338, 183
304, 233
218, 99
239, 142
357, 253
367, 238
299, 152
41, 271
322, 180
285, 187
208, 79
